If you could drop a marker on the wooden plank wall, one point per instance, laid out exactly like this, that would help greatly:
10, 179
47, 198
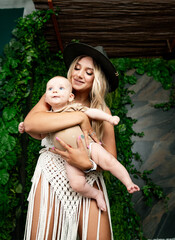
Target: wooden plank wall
125, 28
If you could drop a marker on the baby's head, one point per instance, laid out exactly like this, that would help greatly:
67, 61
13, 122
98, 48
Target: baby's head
58, 92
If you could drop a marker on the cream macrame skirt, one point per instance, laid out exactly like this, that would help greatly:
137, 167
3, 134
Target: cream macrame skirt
50, 168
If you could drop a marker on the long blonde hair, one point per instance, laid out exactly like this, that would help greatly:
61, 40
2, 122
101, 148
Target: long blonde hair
97, 93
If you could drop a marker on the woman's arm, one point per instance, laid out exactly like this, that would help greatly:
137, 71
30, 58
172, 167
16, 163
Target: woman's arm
37, 136
39, 120
109, 137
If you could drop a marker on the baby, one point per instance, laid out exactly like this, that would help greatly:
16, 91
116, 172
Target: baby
59, 96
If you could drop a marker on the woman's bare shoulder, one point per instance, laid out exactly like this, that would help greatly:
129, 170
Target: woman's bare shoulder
107, 110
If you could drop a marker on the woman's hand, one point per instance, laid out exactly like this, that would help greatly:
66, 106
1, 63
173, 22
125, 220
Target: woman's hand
76, 157
87, 129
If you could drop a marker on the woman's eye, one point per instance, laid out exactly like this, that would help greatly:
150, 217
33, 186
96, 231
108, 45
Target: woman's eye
89, 73
76, 68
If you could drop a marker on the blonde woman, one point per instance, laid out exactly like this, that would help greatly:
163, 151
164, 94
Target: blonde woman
55, 211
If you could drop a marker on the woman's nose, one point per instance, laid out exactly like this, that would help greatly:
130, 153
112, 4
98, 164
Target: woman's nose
80, 73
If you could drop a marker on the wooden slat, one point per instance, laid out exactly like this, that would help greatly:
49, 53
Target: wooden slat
132, 28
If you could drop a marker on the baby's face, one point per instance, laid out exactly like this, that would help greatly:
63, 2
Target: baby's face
58, 92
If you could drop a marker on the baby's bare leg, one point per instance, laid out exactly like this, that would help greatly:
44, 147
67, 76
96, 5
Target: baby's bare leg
78, 183
108, 162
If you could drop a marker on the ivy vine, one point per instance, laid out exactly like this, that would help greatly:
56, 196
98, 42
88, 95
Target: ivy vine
161, 70
25, 67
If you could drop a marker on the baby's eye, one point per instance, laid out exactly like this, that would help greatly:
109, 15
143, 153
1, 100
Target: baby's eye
61, 88
50, 88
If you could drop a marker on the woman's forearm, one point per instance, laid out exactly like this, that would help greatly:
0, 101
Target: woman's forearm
39, 120
45, 122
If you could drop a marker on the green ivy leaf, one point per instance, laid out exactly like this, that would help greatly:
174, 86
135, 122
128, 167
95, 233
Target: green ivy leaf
12, 126
4, 176
3, 136
11, 158
27, 93
14, 63
132, 79
2, 125
13, 95
18, 189
2, 94
140, 71
9, 113
3, 201
9, 87
10, 143
4, 164
2, 151
7, 142
122, 128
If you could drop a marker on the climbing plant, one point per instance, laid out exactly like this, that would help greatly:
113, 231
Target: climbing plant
25, 67
161, 70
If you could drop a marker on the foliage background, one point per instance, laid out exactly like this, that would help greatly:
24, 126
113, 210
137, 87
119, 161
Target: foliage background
25, 67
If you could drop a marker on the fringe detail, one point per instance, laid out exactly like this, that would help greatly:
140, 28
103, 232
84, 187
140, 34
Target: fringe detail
35, 180
107, 204
65, 225
43, 208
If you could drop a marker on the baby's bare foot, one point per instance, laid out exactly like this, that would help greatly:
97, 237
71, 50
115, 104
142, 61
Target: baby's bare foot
101, 201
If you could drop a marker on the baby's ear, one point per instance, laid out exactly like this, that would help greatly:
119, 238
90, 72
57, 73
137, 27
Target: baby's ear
71, 97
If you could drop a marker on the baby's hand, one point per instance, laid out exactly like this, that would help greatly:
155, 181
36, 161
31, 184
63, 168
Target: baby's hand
21, 127
114, 120
133, 188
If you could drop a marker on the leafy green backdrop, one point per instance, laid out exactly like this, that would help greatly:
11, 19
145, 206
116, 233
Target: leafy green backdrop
25, 67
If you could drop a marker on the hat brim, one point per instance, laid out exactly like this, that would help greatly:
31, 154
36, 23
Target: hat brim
74, 50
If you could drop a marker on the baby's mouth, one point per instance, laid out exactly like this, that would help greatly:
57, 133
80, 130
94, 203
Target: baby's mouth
55, 97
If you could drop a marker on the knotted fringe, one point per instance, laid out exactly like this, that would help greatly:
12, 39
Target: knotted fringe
65, 225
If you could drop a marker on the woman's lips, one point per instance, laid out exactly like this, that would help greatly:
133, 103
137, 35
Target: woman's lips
77, 81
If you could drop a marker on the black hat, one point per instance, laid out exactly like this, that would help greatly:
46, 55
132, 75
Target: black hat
74, 50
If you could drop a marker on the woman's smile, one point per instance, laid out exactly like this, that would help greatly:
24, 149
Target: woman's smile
78, 81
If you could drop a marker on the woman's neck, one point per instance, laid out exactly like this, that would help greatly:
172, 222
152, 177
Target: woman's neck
83, 99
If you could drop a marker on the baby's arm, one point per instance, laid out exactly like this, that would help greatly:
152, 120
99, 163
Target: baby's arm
98, 114
21, 129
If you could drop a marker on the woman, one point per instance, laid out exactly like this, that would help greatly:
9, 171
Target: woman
55, 211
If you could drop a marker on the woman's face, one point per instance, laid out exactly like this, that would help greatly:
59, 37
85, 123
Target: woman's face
83, 75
